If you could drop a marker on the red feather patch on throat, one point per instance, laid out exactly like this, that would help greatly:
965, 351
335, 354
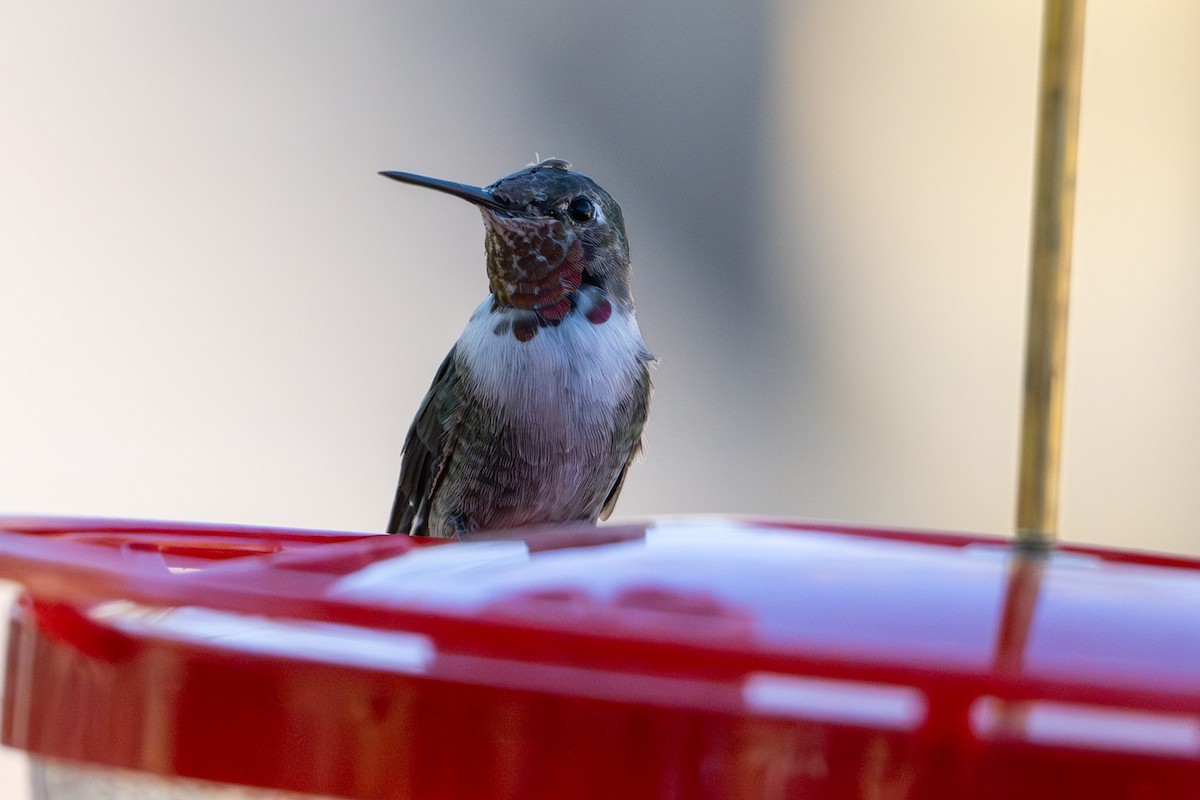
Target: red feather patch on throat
599, 313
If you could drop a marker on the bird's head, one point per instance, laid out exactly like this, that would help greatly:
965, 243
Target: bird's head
549, 231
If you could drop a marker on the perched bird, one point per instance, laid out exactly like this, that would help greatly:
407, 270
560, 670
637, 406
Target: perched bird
538, 410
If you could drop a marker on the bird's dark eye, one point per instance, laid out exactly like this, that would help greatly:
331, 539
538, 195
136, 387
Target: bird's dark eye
581, 209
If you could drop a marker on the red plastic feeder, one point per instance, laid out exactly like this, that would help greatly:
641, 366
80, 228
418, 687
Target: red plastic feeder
705, 658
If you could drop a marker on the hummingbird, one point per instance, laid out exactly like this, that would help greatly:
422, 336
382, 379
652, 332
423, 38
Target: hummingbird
537, 411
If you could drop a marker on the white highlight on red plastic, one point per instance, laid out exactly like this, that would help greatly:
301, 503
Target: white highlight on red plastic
325, 642
876, 705
1060, 724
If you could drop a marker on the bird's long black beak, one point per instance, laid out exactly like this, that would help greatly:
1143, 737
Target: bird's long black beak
472, 194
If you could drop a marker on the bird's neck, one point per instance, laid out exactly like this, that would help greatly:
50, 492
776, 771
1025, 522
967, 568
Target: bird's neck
592, 362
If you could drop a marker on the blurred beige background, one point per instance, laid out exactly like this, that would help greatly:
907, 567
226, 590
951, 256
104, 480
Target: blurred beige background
211, 308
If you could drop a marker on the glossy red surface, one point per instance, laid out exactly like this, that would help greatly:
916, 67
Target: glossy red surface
682, 658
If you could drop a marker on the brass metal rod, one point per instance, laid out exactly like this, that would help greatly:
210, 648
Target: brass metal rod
1050, 268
